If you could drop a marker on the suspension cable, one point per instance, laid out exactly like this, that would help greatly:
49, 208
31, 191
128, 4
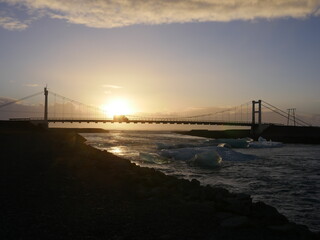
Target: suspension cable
201, 115
76, 102
283, 113
19, 100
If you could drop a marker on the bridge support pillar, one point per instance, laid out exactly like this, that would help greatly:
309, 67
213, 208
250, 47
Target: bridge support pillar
256, 127
46, 107
254, 111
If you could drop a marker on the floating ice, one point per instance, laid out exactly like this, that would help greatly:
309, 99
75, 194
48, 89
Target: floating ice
226, 145
161, 146
228, 154
187, 154
234, 143
263, 143
153, 158
183, 154
207, 159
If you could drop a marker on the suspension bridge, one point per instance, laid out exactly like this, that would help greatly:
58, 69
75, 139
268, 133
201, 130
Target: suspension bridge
60, 109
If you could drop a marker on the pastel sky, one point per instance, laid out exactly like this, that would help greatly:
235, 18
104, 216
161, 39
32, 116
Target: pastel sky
164, 56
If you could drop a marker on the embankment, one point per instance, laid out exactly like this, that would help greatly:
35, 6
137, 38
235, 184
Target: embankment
292, 134
219, 133
286, 134
54, 186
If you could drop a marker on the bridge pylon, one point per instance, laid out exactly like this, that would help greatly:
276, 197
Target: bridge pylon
254, 112
46, 106
257, 127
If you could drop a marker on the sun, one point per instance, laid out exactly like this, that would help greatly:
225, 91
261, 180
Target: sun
117, 106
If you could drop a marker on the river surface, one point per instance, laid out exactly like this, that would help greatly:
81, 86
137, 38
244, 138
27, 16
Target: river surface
286, 177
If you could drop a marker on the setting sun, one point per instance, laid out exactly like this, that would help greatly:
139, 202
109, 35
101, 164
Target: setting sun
117, 107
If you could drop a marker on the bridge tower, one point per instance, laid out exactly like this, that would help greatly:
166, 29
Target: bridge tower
257, 128
46, 106
291, 113
254, 111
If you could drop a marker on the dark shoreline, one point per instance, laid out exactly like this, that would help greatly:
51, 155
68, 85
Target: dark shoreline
54, 186
285, 134
218, 133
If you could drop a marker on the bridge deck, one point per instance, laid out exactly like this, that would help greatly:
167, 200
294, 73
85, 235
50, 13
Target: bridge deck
150, 121
136, 121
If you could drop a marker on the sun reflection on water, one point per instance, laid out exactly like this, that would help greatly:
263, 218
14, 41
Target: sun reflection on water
116, 150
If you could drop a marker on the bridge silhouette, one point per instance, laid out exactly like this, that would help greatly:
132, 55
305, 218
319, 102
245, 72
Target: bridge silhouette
66, 110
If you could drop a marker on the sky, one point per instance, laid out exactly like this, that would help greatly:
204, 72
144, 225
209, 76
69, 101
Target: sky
164, 56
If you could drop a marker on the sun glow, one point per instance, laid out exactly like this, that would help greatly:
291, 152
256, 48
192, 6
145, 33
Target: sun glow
117, 107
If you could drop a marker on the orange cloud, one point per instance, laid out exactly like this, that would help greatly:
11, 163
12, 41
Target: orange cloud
10, 23
115, 13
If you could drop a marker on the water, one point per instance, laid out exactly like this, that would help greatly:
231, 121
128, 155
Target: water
287, 178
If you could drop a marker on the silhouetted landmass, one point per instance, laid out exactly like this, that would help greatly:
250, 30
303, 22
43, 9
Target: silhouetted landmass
291, 134
81, 130
219, 133
18, 126
54, 186
286, 134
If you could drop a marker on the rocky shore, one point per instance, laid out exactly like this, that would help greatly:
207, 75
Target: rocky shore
54, 186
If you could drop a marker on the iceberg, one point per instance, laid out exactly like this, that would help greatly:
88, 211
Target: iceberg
190, 154
228, 154
233, 143
182, 154
263, 143
153, 158
207, 159
161, 146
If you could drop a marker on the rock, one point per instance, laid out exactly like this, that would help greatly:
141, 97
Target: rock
240, 205
282, 228
299, 231
166, 237
243, 196
267, 215
223, 215
195, 182
235, 222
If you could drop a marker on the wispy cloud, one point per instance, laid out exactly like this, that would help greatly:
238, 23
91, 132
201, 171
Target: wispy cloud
111, 86
10, 23
31, 85
115, 13
4, 100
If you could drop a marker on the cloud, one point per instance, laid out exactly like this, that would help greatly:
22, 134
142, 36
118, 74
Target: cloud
10, 23
111, 86
31, 85
18, 109
23, 109
115, 13
4, 100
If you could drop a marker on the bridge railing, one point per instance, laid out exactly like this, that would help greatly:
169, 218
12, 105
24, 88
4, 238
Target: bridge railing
147, 119
143, 120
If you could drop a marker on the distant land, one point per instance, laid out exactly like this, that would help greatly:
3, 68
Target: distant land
286, 134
